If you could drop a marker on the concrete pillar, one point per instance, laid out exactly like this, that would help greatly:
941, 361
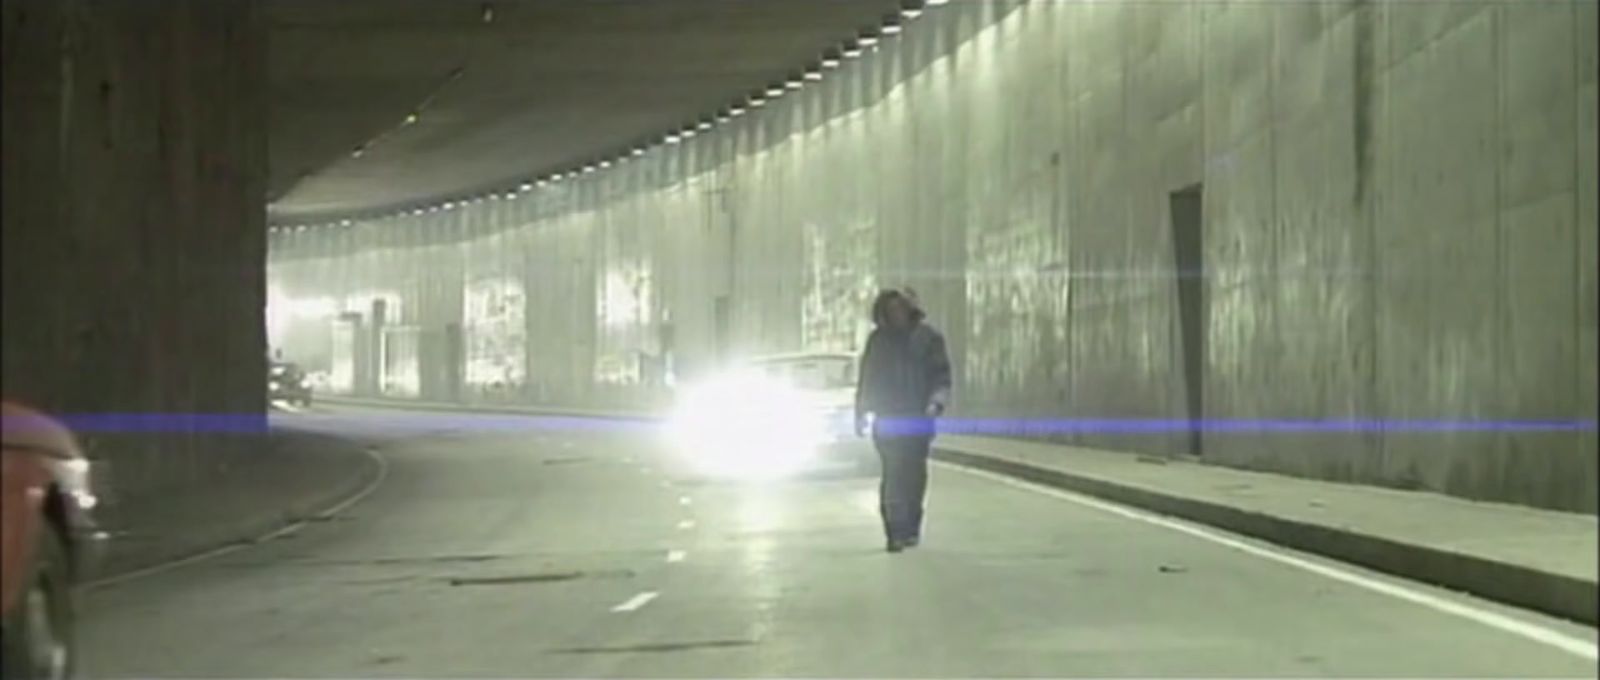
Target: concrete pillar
134, 242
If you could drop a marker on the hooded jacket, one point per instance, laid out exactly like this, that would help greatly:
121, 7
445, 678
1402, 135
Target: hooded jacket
903, 371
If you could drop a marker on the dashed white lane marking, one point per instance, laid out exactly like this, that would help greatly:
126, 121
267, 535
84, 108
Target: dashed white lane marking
676, 555
637, 601
685, 500
383, 473
686, 524
1540, 634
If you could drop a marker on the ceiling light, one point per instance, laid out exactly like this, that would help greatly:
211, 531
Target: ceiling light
813, 76
852, 51
775, 91
704, 125
449, 205
557, 177
542, 182
357, 153
869, 40
525, 187
300, 228
605, 164
411, 118
638, 151
672, 139
688, 134
891, 29
911, 12
936, 3
830, 62
736, 111
794, 83
758, 102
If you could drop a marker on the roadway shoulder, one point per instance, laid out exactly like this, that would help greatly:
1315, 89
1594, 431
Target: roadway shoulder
297, 476
1537, 559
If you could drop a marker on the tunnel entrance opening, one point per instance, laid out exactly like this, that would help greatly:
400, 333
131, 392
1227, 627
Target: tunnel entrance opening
1188, 247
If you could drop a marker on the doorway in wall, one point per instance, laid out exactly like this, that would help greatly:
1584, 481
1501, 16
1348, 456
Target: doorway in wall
722, 322
1188, 247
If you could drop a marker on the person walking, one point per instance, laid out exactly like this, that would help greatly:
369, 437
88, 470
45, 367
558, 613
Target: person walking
903, 385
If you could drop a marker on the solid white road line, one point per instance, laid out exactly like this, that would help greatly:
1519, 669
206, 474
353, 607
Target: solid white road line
637, 601
676, 555
383, 473
1540, 634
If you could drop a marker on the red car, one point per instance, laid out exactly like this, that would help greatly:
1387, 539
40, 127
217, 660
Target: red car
47, 542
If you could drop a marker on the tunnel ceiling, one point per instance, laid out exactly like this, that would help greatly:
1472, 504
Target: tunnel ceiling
528, 86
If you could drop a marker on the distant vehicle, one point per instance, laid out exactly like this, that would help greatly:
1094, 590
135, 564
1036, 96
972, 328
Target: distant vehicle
774, 416
286, 382
49, 541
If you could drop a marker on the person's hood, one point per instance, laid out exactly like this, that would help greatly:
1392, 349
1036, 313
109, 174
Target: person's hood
906, 294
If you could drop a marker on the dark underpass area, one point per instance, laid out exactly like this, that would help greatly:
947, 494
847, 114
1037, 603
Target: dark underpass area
836, 338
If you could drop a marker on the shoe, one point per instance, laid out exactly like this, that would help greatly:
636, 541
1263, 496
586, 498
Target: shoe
911, 542
895, 546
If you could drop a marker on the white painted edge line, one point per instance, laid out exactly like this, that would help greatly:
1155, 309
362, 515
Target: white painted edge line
676, 555
341, 506
636, 602
1540, 634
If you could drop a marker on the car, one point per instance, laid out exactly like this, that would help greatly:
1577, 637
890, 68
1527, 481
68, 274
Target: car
286, 382
50, 542
772, 416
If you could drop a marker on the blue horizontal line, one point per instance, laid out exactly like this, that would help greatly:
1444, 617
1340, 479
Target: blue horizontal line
247, 423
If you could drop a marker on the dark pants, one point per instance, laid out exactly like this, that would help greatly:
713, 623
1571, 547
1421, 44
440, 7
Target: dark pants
904, 484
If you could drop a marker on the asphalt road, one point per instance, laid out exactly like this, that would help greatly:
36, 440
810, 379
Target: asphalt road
512, 551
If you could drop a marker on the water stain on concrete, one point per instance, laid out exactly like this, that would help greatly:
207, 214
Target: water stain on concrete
543, 577
659, 648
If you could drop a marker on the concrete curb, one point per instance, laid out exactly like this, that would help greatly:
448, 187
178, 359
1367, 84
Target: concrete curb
1554, 594
135, 555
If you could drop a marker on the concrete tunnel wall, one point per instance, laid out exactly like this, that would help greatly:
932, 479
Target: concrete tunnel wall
1398, 223
134, 224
